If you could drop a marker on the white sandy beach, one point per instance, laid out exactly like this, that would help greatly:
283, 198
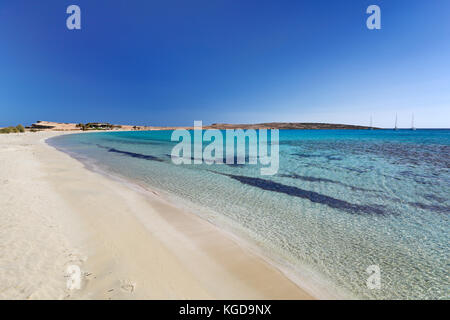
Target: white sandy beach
129, 245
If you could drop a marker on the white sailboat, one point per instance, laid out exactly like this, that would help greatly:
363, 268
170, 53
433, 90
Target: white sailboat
412, 123
395, 128
371, 127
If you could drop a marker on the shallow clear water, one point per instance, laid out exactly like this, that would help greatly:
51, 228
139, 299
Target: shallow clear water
342, 200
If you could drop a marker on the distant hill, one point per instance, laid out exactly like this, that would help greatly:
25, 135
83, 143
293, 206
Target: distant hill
58, 126
287, 125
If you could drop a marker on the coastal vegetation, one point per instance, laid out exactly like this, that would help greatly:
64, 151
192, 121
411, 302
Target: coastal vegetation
17, 129
97, 126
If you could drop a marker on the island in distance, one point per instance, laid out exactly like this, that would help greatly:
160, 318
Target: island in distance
58, 126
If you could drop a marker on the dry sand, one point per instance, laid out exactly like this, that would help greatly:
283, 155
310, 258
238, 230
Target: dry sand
129, 245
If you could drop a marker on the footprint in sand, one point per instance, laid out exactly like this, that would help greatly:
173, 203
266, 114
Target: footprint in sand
127, 286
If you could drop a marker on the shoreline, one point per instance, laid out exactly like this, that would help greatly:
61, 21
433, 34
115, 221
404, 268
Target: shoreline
318, 288
132, 246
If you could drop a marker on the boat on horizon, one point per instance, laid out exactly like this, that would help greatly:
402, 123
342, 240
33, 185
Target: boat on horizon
412, 123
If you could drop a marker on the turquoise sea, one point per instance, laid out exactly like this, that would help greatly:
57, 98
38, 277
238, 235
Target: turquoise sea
341, 201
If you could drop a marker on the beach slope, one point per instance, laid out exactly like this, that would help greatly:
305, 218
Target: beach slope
128, 244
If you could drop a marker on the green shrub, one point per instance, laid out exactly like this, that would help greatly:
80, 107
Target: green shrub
20, 128
17, 129
9, 130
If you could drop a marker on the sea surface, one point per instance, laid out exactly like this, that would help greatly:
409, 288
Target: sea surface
342, 200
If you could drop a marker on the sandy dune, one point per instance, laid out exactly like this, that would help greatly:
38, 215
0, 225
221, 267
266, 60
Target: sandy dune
128, 245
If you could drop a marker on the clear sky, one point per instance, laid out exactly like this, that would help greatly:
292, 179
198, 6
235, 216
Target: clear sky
239, 61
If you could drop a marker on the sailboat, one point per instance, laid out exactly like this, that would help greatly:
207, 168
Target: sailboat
371, 127
395, 128
412, 123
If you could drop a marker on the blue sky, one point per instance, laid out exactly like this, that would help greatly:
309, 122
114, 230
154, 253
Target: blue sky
173, 62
